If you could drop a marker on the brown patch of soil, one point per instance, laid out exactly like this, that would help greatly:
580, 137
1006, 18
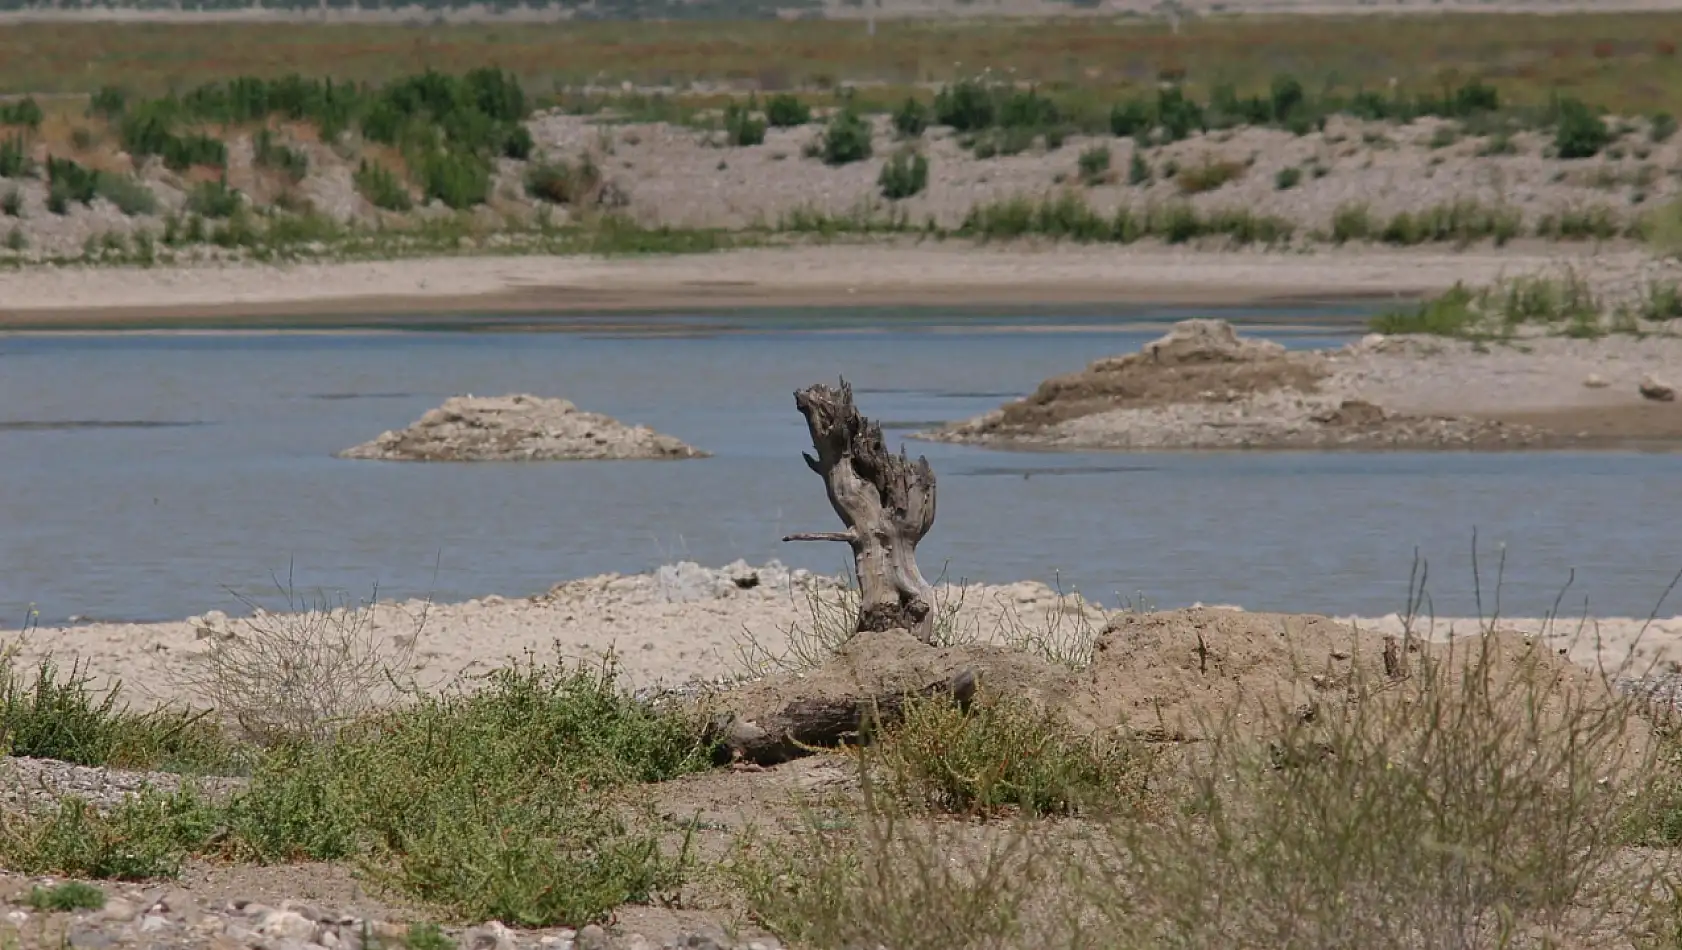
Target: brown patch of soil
1172, 675
1604, 426
1197, 361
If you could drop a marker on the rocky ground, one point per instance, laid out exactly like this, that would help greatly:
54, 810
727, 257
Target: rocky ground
684, 176
1202, 386
518, 428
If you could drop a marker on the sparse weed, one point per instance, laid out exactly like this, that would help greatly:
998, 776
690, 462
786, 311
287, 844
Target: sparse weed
904, 175
305, 671
1094, 164
66, 897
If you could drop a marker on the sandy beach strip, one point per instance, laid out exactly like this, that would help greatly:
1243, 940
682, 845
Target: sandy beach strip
875, 275
686, 623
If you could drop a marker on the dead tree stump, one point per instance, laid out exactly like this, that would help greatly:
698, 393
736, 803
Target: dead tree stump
885, 500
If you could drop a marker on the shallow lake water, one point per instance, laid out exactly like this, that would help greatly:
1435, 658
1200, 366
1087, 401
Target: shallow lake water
153, 476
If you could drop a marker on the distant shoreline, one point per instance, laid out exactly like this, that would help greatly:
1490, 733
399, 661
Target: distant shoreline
386, 295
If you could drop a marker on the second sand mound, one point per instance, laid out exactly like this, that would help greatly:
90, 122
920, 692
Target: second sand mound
518, 428
1197, 361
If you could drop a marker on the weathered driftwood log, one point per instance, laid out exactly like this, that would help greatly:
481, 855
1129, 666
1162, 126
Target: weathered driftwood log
885, 500
824, 722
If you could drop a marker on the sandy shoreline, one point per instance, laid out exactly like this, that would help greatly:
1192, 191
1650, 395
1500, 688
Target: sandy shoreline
685, 624
876, 275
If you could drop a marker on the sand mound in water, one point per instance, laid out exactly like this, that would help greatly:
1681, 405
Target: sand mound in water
518, 428
1196, 361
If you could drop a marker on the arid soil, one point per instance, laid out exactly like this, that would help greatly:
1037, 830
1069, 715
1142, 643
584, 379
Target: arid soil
1165, 677
1202, 386
518, 428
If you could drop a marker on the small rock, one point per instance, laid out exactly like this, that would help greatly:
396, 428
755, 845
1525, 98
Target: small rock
117, 909
1656, 390
1595, 381
152, 923
90, 940
639, 942
286, 925
489, 936
592, 937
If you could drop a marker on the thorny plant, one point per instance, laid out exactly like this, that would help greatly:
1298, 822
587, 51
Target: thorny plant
303, 672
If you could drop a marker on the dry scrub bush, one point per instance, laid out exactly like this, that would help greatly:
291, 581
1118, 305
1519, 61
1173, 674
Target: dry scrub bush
1481, 793
1471, 803
305, 671
913, 883
1007, 755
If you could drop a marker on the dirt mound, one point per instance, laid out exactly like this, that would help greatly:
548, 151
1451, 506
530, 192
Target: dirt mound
518, 428
1175, 675
1197, 361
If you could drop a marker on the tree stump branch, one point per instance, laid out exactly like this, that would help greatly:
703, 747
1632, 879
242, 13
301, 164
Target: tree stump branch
887, 503
824, 722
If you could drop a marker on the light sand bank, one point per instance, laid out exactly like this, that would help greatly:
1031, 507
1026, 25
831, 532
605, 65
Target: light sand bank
686, 623
877, 275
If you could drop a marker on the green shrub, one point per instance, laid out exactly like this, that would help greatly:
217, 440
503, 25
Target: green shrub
1597, 222
67, 897
51, 715
183, 152
1138, 170
1094, 164
129, 194
15, 239
1579, 133
742, 127
1287, 178
904, 175
71, 181
911, 119
108, 103
846, 139
25, 112
213, 199
376, 183
1006, 755
1351, 222
1451, 313
456, 179
785, 111
966, 106
563, 183
11, 203
518, 143
1662, 127
1131, 119
14, 157
267, 153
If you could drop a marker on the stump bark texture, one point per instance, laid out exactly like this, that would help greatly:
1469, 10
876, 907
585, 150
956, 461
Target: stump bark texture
887, 503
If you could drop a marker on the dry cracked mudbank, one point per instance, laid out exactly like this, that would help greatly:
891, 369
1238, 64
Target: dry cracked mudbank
518, 428
1202, 386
